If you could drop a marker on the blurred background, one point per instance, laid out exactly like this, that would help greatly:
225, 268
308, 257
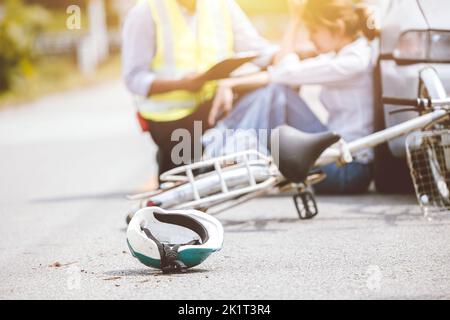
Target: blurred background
48, 46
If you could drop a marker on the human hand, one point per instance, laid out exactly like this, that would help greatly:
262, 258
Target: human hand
223, 102
193, 82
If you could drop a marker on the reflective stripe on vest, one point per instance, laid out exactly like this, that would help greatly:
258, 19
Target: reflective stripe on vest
180, 52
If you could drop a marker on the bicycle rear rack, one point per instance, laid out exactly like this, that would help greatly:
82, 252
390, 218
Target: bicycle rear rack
229, 181
228, 171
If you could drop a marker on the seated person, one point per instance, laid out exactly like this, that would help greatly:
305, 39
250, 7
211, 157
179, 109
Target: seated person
341, 32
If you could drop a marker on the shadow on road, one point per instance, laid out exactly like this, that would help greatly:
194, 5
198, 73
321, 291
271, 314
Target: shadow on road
149, 272
83, 197
255, 225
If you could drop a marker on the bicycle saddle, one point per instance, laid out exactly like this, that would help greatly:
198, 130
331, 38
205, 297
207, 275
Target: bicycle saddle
298, 151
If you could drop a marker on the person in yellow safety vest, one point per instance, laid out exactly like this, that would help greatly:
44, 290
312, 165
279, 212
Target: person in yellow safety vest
167, 47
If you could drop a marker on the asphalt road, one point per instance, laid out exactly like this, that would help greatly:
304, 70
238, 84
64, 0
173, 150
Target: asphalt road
66, 164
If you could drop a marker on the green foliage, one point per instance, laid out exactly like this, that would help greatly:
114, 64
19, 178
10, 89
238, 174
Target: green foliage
19, 25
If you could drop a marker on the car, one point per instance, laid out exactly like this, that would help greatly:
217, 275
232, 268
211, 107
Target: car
415, 34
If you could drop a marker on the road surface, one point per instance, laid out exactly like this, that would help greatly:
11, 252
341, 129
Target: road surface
68, 160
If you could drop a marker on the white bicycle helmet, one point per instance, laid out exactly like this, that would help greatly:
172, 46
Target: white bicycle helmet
173, 241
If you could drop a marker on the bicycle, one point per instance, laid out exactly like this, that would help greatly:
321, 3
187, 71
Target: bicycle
240, 177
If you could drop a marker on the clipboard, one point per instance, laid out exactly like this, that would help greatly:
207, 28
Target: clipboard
223, 69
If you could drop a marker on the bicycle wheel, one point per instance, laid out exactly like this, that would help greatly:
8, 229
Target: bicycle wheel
429, 161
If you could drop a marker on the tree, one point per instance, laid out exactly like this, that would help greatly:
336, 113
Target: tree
18, 27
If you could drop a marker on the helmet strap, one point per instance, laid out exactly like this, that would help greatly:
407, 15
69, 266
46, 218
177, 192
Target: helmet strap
169, 254
169, 260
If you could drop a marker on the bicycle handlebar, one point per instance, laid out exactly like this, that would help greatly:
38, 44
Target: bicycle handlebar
418, 103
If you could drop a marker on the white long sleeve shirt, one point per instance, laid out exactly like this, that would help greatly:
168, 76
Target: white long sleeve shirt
139, 43
347, 86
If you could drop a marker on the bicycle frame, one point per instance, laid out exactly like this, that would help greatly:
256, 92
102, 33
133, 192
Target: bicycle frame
332, 155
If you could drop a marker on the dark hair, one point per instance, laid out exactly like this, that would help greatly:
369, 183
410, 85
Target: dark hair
358, 19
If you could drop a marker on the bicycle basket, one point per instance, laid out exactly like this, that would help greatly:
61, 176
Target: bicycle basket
429, 163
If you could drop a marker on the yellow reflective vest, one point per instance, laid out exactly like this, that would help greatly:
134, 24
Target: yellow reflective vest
180, 51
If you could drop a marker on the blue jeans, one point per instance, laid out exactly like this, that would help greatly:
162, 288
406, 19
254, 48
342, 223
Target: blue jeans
275, 105
270, 107
354, 178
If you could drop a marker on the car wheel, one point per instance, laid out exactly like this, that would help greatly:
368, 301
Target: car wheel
392, 174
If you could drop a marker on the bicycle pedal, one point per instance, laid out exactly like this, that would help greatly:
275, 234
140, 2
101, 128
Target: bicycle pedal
306, 205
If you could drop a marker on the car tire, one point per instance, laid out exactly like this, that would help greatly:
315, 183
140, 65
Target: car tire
391, 174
